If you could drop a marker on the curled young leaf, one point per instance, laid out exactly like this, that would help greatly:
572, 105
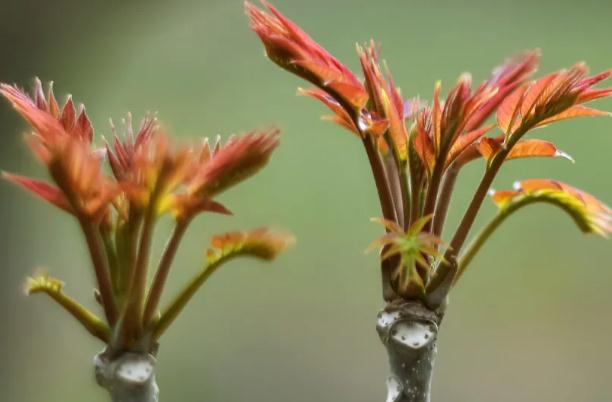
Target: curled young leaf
43, 283
590, 214
260, 243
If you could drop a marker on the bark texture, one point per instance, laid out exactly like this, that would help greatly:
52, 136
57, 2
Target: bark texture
128, 377
409, 331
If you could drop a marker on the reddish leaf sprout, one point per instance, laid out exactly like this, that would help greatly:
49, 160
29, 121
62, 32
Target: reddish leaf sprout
117, 212
416, 150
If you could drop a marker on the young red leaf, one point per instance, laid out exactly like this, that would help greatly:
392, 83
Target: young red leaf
340, 117
508, 111
49, 193
572, 112
385, 99
78, 172
239, 159
538, 92
465, 141
149, 169
184, 206
502, 197
44, 115
533, 148
68, 117
522, 149
436, 118
504, 79
123, 153
489, 147
292, 49
422, 133
46, 125
555, 97
62, 140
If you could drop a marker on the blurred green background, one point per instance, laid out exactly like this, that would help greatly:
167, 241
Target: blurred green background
530, 322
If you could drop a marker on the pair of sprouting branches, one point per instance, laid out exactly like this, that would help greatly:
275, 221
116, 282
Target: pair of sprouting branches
416, 151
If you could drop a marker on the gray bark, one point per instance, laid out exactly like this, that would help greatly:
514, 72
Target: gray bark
128, 377
409, 331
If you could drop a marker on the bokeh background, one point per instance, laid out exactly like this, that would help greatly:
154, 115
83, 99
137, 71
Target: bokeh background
530, 322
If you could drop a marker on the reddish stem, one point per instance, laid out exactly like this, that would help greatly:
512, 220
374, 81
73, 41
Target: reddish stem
382, 184
100, 263
446, 193
155, 292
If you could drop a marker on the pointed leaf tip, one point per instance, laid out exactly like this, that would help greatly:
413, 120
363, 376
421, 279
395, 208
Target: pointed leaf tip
564, 155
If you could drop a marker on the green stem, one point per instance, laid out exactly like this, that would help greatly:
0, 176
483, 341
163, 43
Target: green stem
113, 261
179, 302
486, 232
130, 247
154, 295
479, 241
464, 227
134, 307
94, 243
472, 211
89, 320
